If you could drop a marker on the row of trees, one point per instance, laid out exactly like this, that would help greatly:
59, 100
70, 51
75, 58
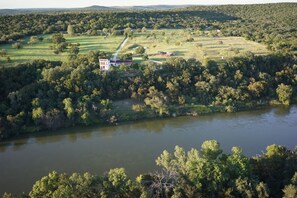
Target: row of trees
206, 172
271, 24
14, 27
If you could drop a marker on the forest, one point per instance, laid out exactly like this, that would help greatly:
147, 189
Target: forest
207, 172
48, 95
45, 95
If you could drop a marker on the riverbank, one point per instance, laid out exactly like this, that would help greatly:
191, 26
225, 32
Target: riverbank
74, 94
116, 117
190, 110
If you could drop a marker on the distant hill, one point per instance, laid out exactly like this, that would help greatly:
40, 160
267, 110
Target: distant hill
7, 11
30, 10
90, 8
46, 10
151, 7
95, 8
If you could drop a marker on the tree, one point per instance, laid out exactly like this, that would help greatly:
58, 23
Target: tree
8, 59
190, 39
123, 67
116, 184
17, 45
140, 50
145, 57
53, 119
128, 32
85, 118
257, 88
192, 171
284, 93
37, 113
157, 101
290, 191
3, 52
262, 190
33, 40
276, 167
61, 47
8, 195
237, 165
244, 188
70, 30
68, 107
210, 149
127, 56
58, 38
138, 108
59, 43
62, 185
73, 52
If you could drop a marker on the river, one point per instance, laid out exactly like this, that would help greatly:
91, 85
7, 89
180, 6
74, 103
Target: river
135, 146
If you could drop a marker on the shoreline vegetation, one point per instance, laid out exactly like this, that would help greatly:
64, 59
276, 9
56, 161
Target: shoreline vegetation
144, 92
185, 174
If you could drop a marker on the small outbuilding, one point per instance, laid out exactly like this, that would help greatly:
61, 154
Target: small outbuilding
165, 53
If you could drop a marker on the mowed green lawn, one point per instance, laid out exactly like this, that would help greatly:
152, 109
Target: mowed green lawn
203, 47
42, 49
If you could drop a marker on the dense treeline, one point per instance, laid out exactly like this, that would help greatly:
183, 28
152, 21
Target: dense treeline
272, 24
207, 172
43, 95
18, 26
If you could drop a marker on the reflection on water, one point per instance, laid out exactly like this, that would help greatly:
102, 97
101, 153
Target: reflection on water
73, 134
282, 111
135, 146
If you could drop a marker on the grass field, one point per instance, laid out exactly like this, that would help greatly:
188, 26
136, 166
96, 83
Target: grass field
201, 48
41, 50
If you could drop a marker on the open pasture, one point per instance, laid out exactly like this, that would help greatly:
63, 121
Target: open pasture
202, 47
41, 50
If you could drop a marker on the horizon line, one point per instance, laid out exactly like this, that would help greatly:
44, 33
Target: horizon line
203, 4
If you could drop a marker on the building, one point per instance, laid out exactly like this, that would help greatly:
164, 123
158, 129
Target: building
166, 53
105, 64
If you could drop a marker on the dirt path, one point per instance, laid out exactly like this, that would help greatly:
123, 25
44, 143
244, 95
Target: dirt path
115, 56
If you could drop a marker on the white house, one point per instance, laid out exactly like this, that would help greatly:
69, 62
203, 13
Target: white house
104, 64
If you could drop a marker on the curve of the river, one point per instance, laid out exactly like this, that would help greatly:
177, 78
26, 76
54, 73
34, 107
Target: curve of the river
135, 146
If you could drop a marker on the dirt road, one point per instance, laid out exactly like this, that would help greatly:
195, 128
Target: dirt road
115, 56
